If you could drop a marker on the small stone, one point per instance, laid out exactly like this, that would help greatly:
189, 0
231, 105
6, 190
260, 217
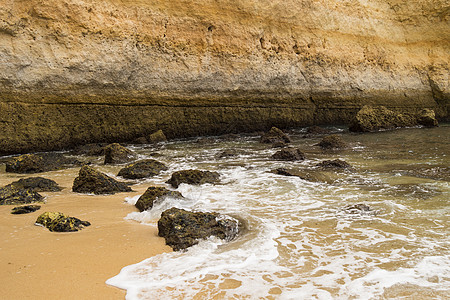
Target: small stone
334, 164
289, 154
152, 194
118, 154
26, 209
196, 177
59, 222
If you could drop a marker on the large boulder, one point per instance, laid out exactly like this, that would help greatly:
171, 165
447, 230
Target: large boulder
332, 142
426, 117
118, 154
142, 169
14, 195
274, 135
91, 181
182, 229
59, 222
289, 154
35, 163
26, 209
152, 194
37, 184
196, 177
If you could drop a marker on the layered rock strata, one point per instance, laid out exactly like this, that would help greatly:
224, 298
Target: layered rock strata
76, 72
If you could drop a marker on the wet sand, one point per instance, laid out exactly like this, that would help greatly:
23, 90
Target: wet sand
39, 264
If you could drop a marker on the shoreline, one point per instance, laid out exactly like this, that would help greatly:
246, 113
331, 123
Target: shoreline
39, 264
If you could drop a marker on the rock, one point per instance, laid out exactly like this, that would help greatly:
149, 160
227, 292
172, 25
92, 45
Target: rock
332, 142
427, 118
94, 149
153, 194
375, 118
289, 154
59, 222
92, 181
26, 209
118, 154
37, 184
229, 153
196, 177
157, 137
334, 164
274, 135
35, 163
142, 169
13, 195
183, 229
279, 145
358, 208
316, 130
309, 175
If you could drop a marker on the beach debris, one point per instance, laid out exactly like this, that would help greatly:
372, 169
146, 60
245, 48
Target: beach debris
332, 142
12, 195
289, 154
195, 177
334, 164
26, 209
37, 184
275, 135
118, 154
153, 194
142, 169
90, 180
182, 229
36, 163
59, 222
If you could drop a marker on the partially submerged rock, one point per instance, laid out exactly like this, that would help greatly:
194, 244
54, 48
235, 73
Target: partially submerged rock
14, 195
37, 184
316, 130
59, 222
91, 181
309, 175
118, 154
334, 164
332, 142
26, 209
182, 229
359, 208
152, 194
157, 137
94, 149
36, 163
289, 154
275, 135
196, 177
142, 169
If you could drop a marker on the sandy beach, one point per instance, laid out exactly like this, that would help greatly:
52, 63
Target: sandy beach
39, 264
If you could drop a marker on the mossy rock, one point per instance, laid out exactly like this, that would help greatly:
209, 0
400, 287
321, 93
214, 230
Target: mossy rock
275, 135
90, 180
26, 209
153, 194
59, 222
182, 229
289, 154
37, 184
11, 195
157, 137
426, 117
118, 154
142, 169
195, 177
332, 142
36, 163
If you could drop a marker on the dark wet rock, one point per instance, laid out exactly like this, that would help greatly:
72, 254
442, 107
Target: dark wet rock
118, 154
96, 149
183, 229
14, 195
229, 153
142, 169
274, 135
284, 172
37, 184
196, 177
44, 162
155, 193
92, 181
157, 137
316, 130
279, 145
334, 164
359, 208
427, 118
59, 222
289, 154
26, 209
309, 175
332, 142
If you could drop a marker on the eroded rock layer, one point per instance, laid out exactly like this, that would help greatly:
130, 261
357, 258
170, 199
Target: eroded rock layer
88, 71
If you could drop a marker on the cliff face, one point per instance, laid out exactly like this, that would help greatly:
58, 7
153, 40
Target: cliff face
77, 71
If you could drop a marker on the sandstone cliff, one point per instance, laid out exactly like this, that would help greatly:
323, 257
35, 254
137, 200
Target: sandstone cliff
75, 71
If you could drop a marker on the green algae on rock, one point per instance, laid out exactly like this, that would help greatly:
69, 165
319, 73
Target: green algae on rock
59, 222
152, 194
191, 176
90, 180
182, 229
13, 195
142, 169
25, 209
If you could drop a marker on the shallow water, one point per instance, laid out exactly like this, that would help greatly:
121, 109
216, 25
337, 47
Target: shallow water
300, 241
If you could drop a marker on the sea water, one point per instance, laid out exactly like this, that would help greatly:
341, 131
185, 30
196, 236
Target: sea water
301, 240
